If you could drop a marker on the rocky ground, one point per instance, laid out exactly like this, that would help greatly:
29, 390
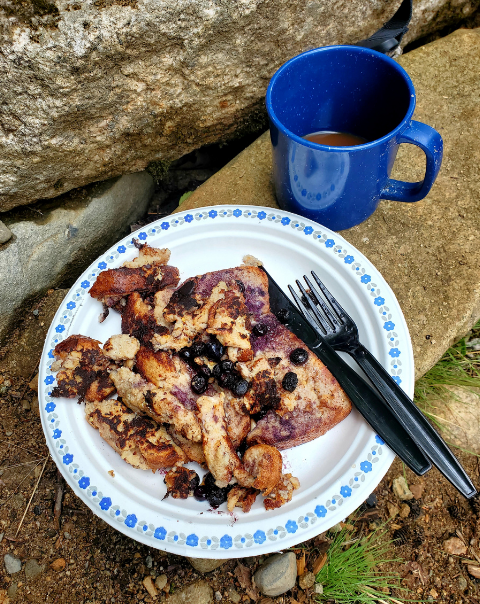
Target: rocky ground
59, 552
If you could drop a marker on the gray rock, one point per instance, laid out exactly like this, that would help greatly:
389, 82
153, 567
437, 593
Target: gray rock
5, 233
234, 596
33, 569
205, 565
66, 237
400, 488
119, 84
199, 593
12, 565
277, 574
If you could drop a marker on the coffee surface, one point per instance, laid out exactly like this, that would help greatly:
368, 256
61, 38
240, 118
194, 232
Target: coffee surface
335, 139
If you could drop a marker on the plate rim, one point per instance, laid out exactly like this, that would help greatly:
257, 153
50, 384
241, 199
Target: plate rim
261, 542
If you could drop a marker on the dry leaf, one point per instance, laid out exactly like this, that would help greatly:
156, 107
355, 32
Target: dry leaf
244, 577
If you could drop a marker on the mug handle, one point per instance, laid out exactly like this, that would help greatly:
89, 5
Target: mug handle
430, 141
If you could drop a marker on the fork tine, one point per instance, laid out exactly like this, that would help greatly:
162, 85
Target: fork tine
307, 316
333, 301
319, 300
326, 327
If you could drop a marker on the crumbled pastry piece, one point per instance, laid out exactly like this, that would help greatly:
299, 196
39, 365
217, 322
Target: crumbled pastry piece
148, 255
264, 463
228, 319
116, 283
84, 370
188, 311
241, 497
121, 347
138, 319
181, 483
263, 392
159, 404
138, 440
222, 459
250, 260
237, 418
193, 451
282, 493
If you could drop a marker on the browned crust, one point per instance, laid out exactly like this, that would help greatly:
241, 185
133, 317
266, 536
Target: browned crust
154, 365
181, 482
264, 463
120, 282
139, 440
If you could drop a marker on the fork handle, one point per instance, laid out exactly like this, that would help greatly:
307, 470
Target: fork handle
373, 409
414, 422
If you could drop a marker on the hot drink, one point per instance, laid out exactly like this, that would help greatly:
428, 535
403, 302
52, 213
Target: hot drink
335, 139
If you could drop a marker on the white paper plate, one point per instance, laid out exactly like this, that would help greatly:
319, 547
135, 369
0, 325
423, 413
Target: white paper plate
337, 471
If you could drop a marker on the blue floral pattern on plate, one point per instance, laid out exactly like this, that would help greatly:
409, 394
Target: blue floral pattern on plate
129, 519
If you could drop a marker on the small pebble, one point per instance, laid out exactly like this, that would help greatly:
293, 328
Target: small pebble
307, 580
218, 596
12, 564
67, 535
36, 312
150, 587
404, 510
160, 582
33, 569
234, 596
474, 571
455, 546
417, 489
58, 564
371, 501
277, 574
8, 433
400, 488
393, 509
12, 590
319, 588
462, 583
25, 405
149, 561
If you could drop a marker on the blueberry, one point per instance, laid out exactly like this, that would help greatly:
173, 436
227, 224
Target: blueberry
241, 286
261, 329
227, 366
186, 354
186, 289
200, 493
290, 381
199, 384
261, 414
283, 315
205, 371
299, 356
217, 371
197, 349
227, 380
214, 350
217, 496
240, 387
209, 480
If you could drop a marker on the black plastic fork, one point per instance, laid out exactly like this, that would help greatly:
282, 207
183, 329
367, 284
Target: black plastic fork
329, 319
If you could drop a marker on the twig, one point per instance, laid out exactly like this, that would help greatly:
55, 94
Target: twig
33, 493
57, 510
26, 463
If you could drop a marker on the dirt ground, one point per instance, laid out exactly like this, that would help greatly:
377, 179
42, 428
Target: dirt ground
80, 559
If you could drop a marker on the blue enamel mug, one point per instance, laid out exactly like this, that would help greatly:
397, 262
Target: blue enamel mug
347, 89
